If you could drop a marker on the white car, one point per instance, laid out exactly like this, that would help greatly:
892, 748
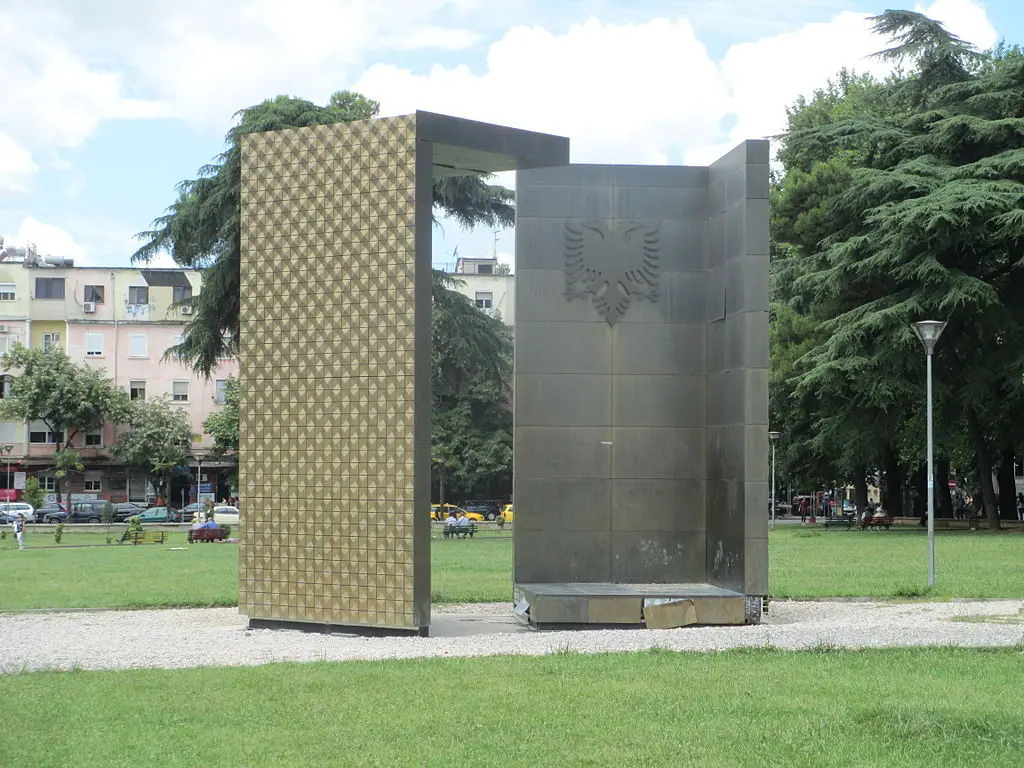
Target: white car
13, 508
225, 515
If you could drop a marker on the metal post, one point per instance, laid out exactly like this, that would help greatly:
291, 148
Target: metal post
773, 484
931, 478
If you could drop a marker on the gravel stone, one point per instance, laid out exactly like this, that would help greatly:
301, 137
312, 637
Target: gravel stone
219, 636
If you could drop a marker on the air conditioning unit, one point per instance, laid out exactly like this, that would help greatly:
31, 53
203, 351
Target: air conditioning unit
3, 328
89, 307
186, 310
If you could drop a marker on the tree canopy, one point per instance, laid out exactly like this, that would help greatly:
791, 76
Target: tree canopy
159, 441
901, 201
69, 398
202, 228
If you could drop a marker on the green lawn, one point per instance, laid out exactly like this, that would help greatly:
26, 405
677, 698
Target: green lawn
804, 562
919, 707
814, 562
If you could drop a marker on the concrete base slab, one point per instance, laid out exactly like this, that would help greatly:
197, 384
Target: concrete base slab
552, 605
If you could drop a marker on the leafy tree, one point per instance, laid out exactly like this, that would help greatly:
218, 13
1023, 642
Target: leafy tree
928, 224
471, 445
202, 228
159, 441
68, 398
34, 493
222, 425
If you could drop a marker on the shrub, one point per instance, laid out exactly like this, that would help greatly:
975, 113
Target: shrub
134, 524
227, 530
33, 493
58, 533
107, 514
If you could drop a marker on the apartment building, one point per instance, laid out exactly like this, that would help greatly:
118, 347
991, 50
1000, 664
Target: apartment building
122, 320
490, 285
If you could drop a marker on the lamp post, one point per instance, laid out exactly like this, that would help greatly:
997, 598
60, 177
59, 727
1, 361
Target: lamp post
7, 448
772, 437
928, 331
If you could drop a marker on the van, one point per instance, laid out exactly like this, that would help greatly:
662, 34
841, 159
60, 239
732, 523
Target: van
14, 508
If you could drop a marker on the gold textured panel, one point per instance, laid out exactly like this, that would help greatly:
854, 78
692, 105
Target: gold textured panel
327, 370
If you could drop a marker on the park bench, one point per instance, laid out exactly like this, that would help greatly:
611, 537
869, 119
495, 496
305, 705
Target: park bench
846, 520
206, 534
877, 522
459, 531
147, 537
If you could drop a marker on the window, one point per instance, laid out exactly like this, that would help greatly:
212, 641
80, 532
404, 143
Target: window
93, 485
94, 438
46, 437
179, 391
137, 390
220, 393
182, 293
138, 294
49, 287
50, 341
484, 299
6, 382
94, 345
94, 293
5, 344
138, 345
8, 292
176, 339
47, 483
485, 269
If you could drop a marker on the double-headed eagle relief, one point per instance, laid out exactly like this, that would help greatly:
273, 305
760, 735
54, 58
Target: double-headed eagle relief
612, 262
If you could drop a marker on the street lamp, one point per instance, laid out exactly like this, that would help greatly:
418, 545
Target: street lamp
7, 448
928, 331
772, 437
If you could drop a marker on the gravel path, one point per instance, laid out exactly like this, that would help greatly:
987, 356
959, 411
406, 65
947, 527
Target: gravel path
218, 636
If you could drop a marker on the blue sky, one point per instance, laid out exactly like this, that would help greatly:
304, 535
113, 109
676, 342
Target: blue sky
107, 105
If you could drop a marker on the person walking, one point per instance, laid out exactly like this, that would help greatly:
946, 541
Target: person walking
19, 530
1020, 507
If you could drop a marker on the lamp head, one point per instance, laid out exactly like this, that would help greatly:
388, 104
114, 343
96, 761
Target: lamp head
928, 331
774, 435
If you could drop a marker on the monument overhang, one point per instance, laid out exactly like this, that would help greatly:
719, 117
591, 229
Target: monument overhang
463, 147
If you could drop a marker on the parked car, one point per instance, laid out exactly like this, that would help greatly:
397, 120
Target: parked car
225, 515
192, 510
437, 513
507, 514
12, 508
159, 515
90, 512
489, 508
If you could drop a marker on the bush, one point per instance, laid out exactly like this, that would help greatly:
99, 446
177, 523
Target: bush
227, 530
33, 494
134, 524
58, 533
107, 514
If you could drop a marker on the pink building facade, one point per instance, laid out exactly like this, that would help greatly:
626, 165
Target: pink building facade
123, 321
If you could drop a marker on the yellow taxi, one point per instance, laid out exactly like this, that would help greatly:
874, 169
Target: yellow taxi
506, 513
439, 513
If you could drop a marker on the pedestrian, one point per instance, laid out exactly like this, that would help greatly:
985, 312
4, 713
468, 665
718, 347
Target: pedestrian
1020, 506
19, 530
803, 510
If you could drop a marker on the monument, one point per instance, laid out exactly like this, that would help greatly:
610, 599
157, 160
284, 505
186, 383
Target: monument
641, 377
335, 362
641, 390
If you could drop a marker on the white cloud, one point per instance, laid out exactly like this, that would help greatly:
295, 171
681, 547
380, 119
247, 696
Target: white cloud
201, 61
49, 240
16, 166
650, 92
51, 97
608, 87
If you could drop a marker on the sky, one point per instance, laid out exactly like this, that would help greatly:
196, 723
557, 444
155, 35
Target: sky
105, 105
